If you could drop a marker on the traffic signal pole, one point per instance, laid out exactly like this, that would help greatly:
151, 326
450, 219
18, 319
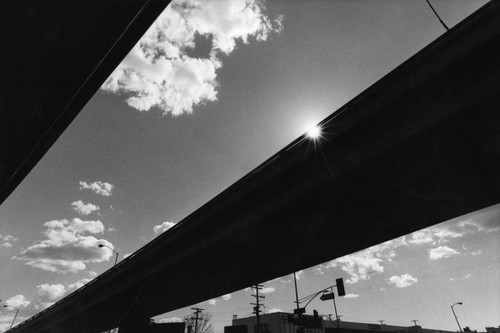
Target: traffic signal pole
296, 292
335, 307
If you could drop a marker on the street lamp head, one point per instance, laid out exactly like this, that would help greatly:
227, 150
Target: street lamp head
459, 303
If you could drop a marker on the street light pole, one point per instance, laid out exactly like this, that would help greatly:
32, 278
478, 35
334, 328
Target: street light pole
109, 247
455, 315
15, 316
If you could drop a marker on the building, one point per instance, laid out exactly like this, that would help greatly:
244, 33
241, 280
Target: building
281, 322
493, 329
277, 322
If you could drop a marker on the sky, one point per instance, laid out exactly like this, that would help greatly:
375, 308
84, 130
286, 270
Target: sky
211, 91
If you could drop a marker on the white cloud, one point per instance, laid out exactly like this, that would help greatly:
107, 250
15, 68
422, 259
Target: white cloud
226, 297
212, 302
98, 187
360, 266
5, 321
424, 236
442, 252
92, 274
7, 240
364, 264
274, 310
169, 320
158, 72
161, 228
465, 277
476, 253
267, 290
351, 296
18, 301
485, 220
402, 281
77, 285
67, 247
318, 271
52, 292
84, 208
48, 294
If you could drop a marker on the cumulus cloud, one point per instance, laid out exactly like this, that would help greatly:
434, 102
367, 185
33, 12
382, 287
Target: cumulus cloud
5, 321
351, 296
226, 297
424, 236
402, 281
161, 228
274, 310
84, 208
160, 72
364, 264
267, 290
7, 240
485, 220
50, 292
98, 187
47, 294
465, 277
359, 266
212, 302
68, 247
169, 320
18, 301
476, 253
442, 252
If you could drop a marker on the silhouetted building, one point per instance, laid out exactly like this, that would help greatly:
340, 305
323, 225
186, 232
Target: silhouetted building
281, 322
493, 329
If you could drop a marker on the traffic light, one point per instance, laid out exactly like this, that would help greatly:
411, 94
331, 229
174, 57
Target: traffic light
340, 287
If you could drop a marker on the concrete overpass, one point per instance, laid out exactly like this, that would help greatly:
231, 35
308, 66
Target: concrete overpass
417, 148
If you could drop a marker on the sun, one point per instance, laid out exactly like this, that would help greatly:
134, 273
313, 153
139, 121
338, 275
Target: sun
314, 132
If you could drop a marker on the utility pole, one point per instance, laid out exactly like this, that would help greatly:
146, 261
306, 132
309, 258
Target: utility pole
381, 322
257, 304
197, 312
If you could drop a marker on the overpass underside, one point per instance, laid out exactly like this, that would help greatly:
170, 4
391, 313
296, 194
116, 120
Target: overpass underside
419, 147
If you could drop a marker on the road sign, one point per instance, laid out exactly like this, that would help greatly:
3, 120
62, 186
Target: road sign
326, 297
299, 311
